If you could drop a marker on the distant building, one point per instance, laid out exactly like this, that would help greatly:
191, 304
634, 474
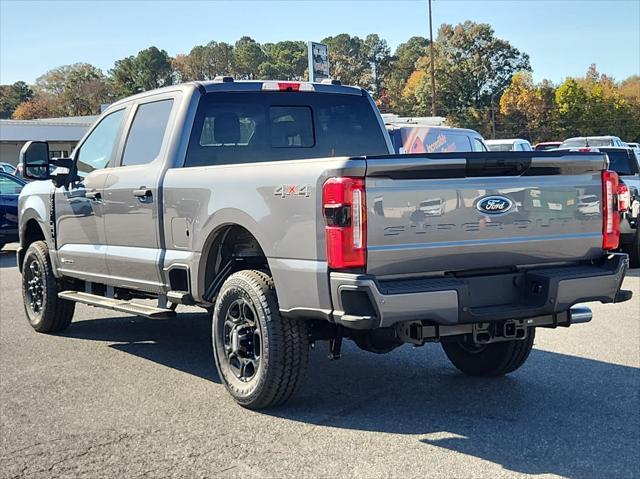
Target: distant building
62, 134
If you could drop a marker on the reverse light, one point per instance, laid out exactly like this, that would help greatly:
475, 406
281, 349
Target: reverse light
287, 86
344, 210
610, 216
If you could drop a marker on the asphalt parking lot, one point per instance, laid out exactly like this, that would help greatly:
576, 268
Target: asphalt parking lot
123, 396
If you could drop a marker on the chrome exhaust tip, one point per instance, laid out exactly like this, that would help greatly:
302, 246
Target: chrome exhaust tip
580, 314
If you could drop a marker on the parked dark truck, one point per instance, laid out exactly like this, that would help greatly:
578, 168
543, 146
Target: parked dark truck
281, 208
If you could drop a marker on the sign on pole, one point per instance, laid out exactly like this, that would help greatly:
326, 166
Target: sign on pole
318, 61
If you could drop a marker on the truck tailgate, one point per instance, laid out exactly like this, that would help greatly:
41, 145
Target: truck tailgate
467, 211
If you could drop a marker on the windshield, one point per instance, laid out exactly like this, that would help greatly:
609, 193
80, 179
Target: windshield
578, 142
501, 147
599, 142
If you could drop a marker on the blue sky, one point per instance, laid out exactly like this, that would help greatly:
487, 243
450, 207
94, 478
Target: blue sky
561, 37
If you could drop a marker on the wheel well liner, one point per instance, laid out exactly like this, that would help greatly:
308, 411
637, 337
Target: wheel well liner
228, 249
31, 233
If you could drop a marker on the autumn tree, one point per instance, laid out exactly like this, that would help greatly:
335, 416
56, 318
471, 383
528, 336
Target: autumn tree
396, 96
13, 95
630, 89
42, 105
526, 109
79, 89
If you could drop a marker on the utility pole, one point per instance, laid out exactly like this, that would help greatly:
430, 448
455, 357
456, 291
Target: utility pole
493, 120
433, 71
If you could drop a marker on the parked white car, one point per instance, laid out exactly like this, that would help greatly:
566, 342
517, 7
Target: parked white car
514, 144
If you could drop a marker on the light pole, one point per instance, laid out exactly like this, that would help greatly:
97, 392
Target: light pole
433, 72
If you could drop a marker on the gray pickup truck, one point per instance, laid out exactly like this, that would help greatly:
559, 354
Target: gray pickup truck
281, 208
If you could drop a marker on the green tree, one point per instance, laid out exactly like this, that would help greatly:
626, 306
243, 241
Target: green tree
379, 57
473, 68
285, 60
248, 56
13, 95
348, 60
407, 54
149, 69
595, 105
571, 101
204, 62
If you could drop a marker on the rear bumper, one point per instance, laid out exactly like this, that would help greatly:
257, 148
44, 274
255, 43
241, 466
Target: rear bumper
363, 302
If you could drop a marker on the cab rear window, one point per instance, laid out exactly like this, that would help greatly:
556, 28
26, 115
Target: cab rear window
247, 127
419, 139
622, 162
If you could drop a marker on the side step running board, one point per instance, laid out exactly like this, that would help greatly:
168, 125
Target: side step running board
117, 305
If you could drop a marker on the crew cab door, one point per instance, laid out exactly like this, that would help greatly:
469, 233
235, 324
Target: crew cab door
10, 188
131, 204
80, 237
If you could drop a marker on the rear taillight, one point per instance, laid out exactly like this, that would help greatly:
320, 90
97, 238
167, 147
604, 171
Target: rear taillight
344, 209
624, 198
610, 216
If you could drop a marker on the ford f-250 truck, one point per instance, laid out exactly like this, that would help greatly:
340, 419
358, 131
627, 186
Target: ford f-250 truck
281, 208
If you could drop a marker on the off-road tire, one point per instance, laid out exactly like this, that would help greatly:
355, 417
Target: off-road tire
55, 314
284, 350
495, 359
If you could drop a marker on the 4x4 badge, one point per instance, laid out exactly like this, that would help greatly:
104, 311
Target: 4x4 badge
293, 190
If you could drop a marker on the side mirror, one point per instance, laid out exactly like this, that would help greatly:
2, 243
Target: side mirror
34, 157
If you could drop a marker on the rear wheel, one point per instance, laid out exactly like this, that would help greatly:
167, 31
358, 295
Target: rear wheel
261, 357
495, 359
46, 312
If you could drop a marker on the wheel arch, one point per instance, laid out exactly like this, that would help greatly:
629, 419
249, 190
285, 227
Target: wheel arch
32, 229
228, 247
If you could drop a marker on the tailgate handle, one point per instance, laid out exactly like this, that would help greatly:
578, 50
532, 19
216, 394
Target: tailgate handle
143, 193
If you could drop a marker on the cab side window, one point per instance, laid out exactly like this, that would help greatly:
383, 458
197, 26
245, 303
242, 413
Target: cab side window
98, 149
147, 132
478, 145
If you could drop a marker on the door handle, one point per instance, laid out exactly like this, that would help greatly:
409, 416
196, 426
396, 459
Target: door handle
143, 193
93, 195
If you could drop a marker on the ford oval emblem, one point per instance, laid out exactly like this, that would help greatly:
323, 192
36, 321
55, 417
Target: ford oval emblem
494, 205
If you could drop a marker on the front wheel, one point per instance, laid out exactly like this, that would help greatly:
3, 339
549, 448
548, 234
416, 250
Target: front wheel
46, 312
261, 357
495, 359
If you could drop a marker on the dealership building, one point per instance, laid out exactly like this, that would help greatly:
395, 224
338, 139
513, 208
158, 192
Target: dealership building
62, 134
